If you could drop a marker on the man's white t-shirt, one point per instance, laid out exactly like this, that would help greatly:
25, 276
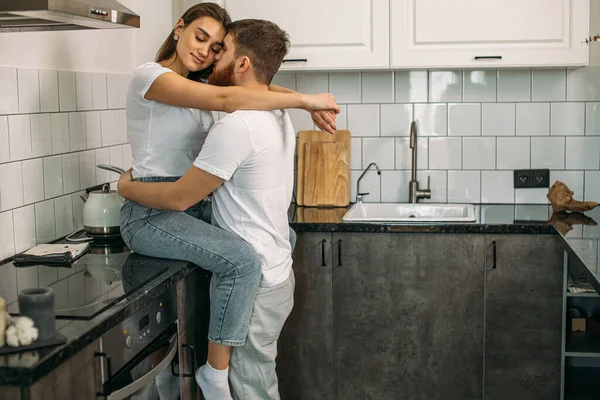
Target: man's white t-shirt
253, 151
164, 139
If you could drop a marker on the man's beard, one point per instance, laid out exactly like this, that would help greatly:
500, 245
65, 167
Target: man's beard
222, 77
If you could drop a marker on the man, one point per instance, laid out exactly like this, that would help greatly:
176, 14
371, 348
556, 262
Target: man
247, 162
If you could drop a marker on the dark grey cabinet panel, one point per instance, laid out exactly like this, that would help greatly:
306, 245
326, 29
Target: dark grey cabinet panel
523, 335
408, 316
305, 361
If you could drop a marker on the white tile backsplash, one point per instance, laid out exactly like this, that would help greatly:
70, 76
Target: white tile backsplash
377, 87
370, 183
87, 169
479, 153
431, 119
24, 229
4, 140
312, 82
498, 119
567, 119
99, 91
53, 177
93, 129
445, 153
70, 170
396, 119
592, 189
84, 94
548, 84
363, 119
464, 186
59, 127
583, 84
404, 153
77, 137
11, 185
513, 153
378, 150
464, 119
438, 185
48, 90
29, 90
19, 133
67, 95
41, 135
445, 86
548, 152
33, 181
45, 224
63, 211
9, 101
497, 187
7, 237
345, 87
355, 153
514, 85
583, 153
410, 86
394, 186
479, 86
533, 119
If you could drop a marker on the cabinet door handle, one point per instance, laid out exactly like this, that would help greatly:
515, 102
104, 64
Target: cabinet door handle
340, 253
296, 60
488, 57
494, 254
193, 355
106, 384
323, 263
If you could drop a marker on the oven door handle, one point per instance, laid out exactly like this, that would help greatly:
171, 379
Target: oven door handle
149, 377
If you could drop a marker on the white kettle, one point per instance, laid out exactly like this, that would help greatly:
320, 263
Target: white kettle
102, 209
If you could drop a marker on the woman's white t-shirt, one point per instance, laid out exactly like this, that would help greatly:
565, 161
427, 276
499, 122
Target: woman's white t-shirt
165, 140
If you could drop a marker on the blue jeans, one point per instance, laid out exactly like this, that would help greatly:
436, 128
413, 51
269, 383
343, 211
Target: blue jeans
190, 237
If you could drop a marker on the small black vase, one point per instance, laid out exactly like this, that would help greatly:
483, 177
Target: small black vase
38, 304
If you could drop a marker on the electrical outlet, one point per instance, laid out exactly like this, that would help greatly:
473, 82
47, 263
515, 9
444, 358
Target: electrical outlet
531, 178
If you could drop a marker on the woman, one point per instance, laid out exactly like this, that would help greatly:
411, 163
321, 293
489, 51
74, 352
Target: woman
168, 118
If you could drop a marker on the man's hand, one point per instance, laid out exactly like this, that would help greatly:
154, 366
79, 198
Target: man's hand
325, 120
124, 179
324, 101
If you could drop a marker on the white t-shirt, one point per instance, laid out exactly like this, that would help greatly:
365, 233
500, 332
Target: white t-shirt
253, 151
164, 139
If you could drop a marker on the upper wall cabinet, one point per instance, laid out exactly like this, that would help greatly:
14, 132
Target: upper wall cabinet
487, 33
332, 34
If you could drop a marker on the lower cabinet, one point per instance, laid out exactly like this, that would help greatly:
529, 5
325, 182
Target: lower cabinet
423, 316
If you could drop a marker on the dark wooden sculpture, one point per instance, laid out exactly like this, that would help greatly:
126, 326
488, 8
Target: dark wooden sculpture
561, 198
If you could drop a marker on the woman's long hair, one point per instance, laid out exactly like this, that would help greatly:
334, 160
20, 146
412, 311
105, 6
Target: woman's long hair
169, 46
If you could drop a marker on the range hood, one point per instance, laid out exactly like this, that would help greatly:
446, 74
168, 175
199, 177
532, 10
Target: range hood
64, 15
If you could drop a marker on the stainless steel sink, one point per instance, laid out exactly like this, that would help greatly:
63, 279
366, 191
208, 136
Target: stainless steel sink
410, 213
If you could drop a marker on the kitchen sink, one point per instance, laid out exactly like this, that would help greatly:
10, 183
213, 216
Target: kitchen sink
410, 213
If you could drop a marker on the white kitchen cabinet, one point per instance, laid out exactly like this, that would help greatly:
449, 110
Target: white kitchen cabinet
332, 34
488, 33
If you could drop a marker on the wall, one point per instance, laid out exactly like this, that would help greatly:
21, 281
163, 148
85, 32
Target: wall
475, 128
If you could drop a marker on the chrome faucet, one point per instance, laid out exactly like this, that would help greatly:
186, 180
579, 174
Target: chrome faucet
360, 195
414, 194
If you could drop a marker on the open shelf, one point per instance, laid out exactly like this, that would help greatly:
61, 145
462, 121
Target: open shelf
582, 383
582, 344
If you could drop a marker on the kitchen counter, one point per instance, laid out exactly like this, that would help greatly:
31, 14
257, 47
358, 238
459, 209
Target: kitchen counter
23, 369
580, 232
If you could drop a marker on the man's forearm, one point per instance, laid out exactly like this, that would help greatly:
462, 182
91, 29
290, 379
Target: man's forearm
157, 195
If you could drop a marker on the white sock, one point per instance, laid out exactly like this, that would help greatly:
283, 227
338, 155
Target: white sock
213, 382
167, 385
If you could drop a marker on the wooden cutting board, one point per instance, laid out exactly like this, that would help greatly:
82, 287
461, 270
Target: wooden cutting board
323, 169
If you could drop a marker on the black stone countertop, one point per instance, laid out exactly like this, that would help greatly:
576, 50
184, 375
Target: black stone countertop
23, 369
579, 231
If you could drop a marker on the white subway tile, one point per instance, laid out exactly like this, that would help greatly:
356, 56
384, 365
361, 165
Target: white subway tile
396, 119
583, 153
548, 152
497, 187
7, 238
464, 186
567, 119
29, 90
70, 168
312, 82
592, 188
394, 186
533, 119
301, 120
49, 276
24, 231
87, 169
479, 86
128, 157
99, 91
514, 85
497, 214
93, 129
341, 120
59, 126
592, 119
77, 134
479, 153
117, 86
45, 228
438, 185
531, 196
356, 153
110, 134
498, 119
404, 153
77, 210
513, 152
41, 135
583, 84
116, 158
282, 78
4, 141
363, 120
53, 177
84, 90
67, 96
33, 181
411, 86
431, 119
121, 126
445, 153
11, 185
548, 84
63, 211
378, 87
345, 86
370, 183
378, 150
9, 101
102, 156
48, 90
573, 179
28, 278
8, 283
19, 133
445, 86
464, 119
528, 212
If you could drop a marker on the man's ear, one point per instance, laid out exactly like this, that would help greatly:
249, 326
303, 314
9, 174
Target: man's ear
245, 64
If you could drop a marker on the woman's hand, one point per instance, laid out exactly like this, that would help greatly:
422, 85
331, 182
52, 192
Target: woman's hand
325, 120
323, 101
124, 179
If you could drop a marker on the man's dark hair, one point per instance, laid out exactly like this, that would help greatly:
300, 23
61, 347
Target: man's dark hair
263, 42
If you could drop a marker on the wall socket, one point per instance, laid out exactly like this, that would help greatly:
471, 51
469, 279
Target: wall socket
532, 178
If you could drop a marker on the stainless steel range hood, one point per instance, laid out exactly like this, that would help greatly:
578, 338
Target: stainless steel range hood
61, 15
